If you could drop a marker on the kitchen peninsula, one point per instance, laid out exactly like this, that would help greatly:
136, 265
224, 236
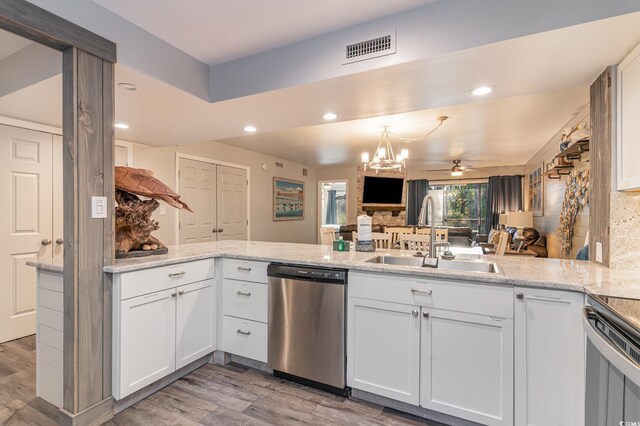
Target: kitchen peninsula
172, 312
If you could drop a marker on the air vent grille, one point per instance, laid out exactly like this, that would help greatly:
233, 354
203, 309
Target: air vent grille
368, 47
372, 48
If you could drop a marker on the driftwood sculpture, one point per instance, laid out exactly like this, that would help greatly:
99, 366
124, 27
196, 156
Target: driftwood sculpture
133, 215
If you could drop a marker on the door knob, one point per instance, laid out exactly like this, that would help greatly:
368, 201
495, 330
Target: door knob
220, 229
59, 241
46, 242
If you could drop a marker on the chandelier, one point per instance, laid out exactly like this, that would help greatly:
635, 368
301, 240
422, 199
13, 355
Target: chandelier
384, 158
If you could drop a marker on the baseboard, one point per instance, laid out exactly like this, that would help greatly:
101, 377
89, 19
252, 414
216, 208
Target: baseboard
154, 387
225, 358
97, 414
411, 409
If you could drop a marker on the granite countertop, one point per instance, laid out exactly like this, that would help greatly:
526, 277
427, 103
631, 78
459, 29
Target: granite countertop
527, 271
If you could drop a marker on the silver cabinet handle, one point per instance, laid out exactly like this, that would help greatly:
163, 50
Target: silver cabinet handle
244, 333
181, 292
414, 312
242, 293
426, 314
176, 274
243, 268
173, 295
417, 290
46, 242
519, 295
59, 241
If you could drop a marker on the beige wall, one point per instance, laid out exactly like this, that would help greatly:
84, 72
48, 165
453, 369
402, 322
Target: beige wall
162, 161
549, 224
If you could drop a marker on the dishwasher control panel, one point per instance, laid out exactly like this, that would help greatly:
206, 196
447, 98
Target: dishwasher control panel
337, 276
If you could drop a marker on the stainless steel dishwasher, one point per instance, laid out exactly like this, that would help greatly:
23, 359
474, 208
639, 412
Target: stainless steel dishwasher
307, 325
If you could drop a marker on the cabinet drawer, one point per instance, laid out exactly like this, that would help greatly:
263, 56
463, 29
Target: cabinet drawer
147, 281
245, 338
456, 296
245, 299
245, 270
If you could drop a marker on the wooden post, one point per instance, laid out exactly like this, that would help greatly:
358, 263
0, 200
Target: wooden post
88, 115
602, 122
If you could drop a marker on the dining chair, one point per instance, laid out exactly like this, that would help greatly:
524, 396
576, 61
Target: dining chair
382, 240
395, 232
415, 242
327, 235
442, 234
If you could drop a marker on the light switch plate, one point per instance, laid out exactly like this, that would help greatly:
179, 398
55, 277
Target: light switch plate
163, 210
599, 252
98, 207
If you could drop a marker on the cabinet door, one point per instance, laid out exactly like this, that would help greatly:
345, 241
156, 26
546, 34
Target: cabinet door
549, 358
383, 349
147, 340
467, 366
628, 148
195, 323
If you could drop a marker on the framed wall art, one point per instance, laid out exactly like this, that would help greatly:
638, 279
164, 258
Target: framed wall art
536, 191
288, 199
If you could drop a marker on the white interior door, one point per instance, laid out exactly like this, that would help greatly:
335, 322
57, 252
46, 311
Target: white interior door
58, 201
25, 224
232, 203
198, 190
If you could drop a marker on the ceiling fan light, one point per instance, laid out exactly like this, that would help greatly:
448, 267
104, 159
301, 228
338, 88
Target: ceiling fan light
456, 173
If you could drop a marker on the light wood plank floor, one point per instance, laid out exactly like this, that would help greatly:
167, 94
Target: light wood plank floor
212, 395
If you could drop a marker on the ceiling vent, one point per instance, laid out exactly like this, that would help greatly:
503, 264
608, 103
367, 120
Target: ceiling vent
372, 48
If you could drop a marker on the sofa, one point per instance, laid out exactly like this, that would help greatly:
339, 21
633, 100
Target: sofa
458, 235
533, 241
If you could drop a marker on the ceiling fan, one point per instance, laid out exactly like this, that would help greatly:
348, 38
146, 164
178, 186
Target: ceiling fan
456, 170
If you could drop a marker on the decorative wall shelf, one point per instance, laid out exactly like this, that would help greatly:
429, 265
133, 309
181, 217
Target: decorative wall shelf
395, 209
558, 171
575, 151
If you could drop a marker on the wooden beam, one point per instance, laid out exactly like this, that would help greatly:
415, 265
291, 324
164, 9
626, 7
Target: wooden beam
601, 143
30, 21
88, 164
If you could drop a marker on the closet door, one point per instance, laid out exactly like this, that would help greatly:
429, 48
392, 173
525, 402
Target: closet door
25, 224
198, 190
232, 203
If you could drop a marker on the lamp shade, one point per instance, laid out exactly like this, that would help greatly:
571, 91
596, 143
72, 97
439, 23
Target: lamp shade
502, 220
520, 219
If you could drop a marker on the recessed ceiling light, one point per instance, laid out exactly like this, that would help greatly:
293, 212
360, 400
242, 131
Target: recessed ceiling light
127, 86
250, 129
481, 91
330, 116
122, 125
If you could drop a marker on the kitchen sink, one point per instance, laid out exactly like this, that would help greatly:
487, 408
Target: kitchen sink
466, 265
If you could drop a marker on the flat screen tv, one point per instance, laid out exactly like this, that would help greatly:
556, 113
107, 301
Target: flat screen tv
382, 190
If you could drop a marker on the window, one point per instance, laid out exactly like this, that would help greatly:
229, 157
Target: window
460, 204
333, 200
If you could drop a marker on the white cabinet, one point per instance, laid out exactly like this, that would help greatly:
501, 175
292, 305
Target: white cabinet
383, 352
628, 134
244, 308
162, 322
148, 340
195, 322
466, 367
446, 346
549, 358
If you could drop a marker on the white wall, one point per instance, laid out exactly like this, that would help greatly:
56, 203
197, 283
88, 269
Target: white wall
162, 161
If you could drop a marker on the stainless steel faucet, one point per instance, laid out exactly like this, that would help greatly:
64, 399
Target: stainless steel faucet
427, 201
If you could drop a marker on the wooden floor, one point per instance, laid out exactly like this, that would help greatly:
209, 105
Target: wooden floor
212, 395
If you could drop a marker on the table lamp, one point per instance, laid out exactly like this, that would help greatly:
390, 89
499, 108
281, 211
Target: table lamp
520, 220
502, 220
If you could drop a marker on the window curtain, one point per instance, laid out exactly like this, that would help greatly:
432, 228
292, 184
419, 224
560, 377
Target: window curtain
332, 208
416, 191
504, 194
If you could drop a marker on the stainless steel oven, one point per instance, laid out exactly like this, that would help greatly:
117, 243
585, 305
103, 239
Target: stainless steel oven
612, 326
